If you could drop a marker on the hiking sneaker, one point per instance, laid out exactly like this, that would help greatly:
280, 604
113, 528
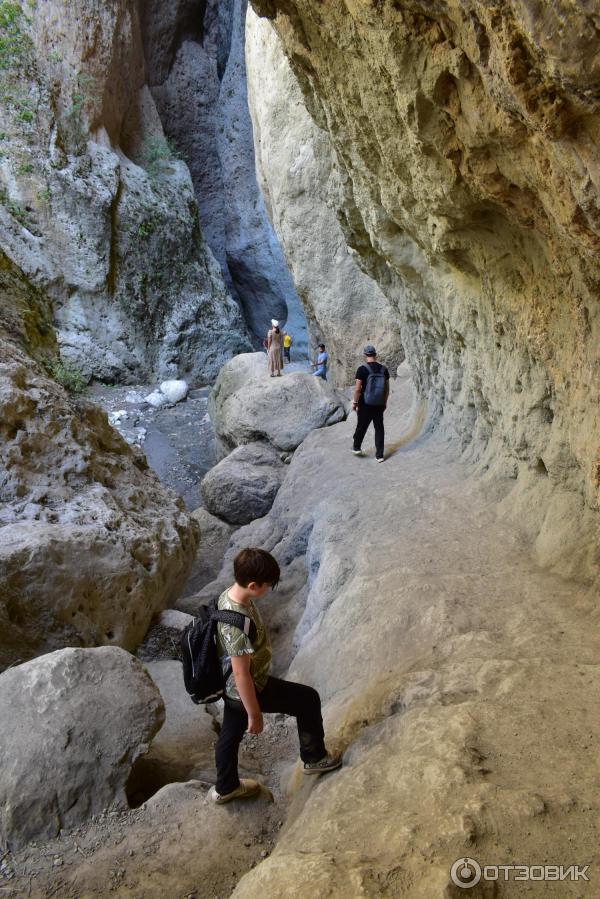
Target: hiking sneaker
246, 790
379, 459
358, 452
328, 763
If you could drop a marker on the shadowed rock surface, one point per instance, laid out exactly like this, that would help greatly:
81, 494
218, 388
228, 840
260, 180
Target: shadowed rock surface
244, 484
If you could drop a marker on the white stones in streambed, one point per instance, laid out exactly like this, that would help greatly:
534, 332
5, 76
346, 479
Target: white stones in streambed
168, 393
246, 405
243, 486
72, 723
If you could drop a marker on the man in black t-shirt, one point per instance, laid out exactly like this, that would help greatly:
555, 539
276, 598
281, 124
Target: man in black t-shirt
366, 411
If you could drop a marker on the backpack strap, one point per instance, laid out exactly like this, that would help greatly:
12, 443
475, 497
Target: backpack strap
236, 619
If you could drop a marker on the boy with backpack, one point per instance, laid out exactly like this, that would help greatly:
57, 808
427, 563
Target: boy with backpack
371, 391
245, 655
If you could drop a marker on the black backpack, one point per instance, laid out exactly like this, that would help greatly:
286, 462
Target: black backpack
203, 673
374, 394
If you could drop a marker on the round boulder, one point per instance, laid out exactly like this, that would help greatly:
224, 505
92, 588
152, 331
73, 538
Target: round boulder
246, 405
72, 723
242, 486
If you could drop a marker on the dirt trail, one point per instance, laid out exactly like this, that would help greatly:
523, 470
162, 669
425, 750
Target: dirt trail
462, 682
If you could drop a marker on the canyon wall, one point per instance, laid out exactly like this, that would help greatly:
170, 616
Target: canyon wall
467, 138
303, 188
197, 76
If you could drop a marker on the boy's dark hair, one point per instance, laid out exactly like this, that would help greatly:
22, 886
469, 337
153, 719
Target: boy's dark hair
255, 565
321, 346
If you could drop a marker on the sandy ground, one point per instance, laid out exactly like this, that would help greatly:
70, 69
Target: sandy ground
469, 721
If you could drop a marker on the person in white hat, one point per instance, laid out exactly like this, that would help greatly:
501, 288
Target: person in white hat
275, 349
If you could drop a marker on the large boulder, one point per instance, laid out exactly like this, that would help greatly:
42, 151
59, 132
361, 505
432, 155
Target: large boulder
72, 723
91, 544
242, 486
247, 405
214, 539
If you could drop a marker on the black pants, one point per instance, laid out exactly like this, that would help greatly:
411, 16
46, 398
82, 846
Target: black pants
365, 415
278, 695
286, 353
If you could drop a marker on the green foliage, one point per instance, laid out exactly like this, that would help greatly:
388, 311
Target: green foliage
147, 227
44, 195
157, 154
14, 43
67, 375
15, 209
25, 168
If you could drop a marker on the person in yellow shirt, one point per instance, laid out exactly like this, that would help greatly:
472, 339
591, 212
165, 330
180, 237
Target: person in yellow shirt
287, 342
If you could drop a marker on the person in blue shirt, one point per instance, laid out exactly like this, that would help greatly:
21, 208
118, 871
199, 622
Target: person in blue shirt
321, 363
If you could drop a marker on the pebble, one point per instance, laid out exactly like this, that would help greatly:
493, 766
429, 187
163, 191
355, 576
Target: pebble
57, 861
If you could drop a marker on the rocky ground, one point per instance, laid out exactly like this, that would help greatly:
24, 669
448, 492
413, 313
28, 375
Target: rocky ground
460, 680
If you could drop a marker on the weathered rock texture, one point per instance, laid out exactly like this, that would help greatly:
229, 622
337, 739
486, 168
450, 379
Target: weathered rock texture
197, 76
91, 543
456, 675
95, 208
72, 725
244, 484
301, 182
246, 405
466, 134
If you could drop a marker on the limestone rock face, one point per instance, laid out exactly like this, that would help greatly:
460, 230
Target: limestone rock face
244, 484
466, 136
246, 405
302, 185
96, 209
196, 72
91, 543
72, 724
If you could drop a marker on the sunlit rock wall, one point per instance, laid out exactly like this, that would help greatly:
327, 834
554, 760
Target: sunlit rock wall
468, 135
301, 183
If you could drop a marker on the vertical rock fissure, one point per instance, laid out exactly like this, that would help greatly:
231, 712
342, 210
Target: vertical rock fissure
199, 86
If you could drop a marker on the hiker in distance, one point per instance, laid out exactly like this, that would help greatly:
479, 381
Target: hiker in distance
320, 364
275, 349
287, 345
250, 690
371, 391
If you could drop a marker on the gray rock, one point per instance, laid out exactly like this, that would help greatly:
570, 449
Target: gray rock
242, 486
163, 638
196, 68
92, 545
72, 725
101, 214
246, 405
299, 176
214, 539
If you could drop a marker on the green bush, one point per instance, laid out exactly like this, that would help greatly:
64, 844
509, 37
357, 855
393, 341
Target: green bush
67, 375
14, 44
157, 153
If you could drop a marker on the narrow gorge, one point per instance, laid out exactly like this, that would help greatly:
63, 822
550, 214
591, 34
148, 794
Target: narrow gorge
424, 177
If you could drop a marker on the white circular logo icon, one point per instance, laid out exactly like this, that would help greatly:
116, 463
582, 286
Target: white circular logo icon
465, 873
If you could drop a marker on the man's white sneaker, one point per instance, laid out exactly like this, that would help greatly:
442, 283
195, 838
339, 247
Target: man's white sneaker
357, 452
379, 459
